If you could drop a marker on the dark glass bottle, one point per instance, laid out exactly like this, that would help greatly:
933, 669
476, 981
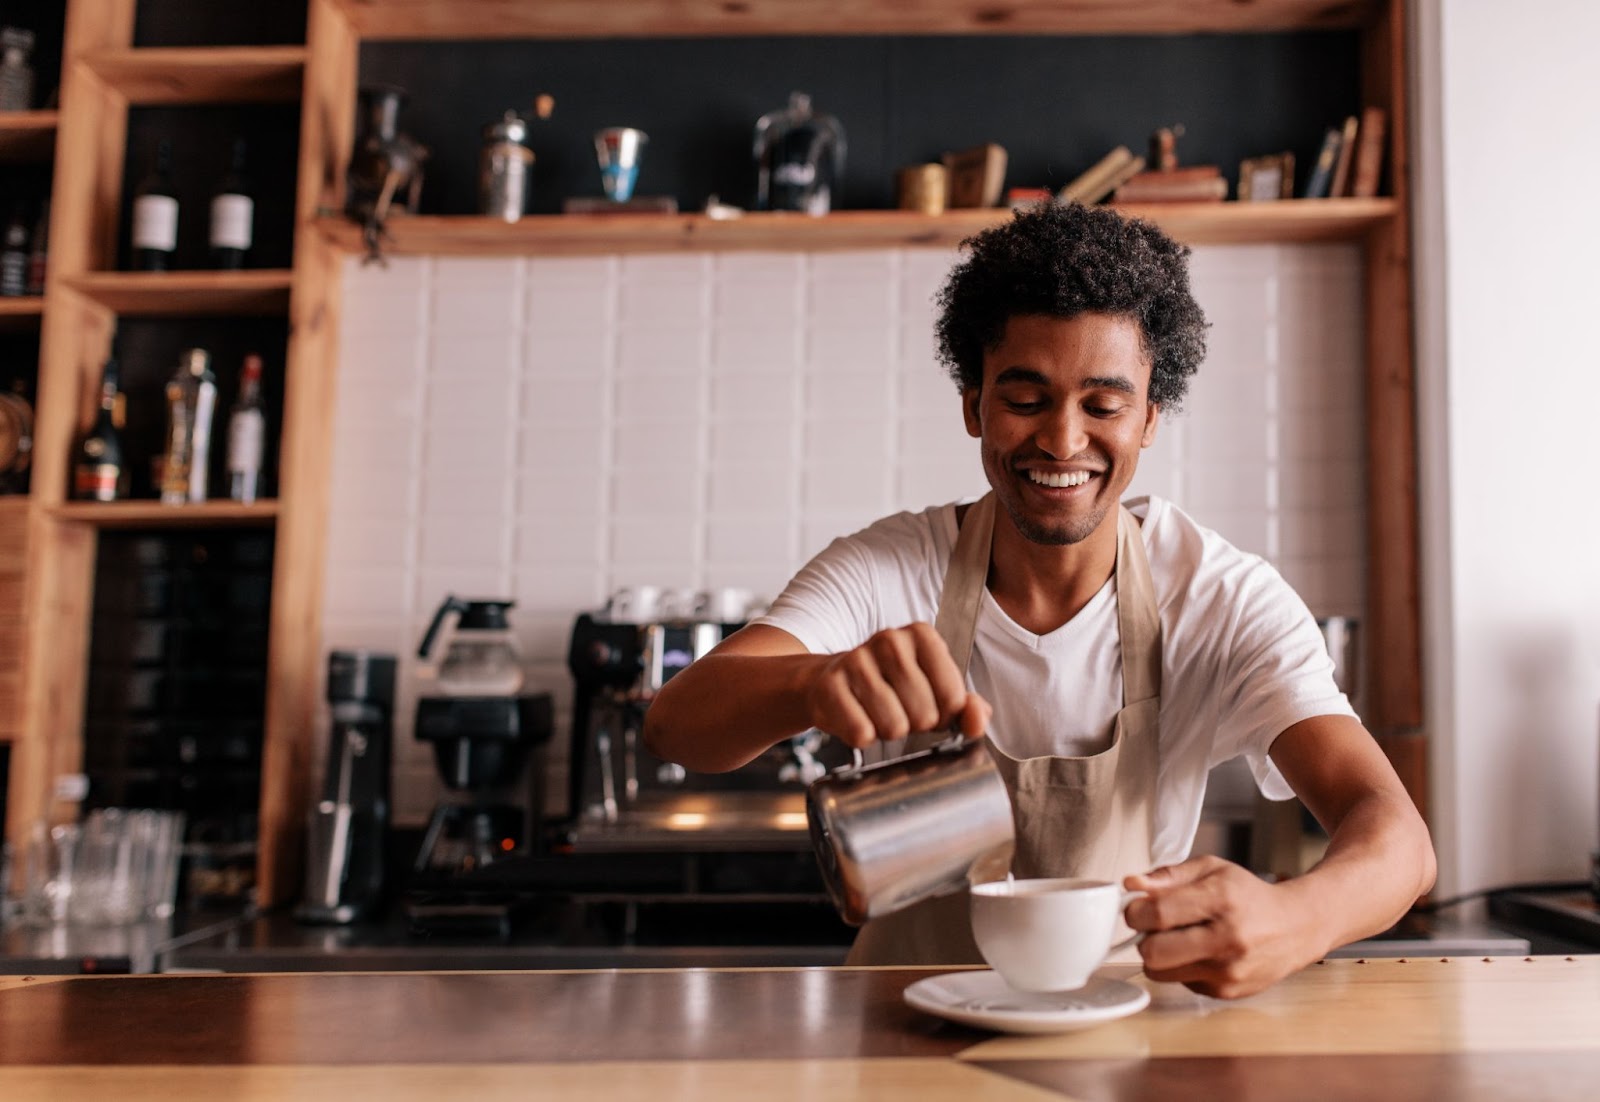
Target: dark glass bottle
155, 215
98, 470
233, 213
14, 254
39, 250
247, 434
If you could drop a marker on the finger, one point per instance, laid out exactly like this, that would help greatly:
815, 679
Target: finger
897, 657
842, 716
1174, 908
945, 679
1174, 950
1170, 876
877, 698
974, 718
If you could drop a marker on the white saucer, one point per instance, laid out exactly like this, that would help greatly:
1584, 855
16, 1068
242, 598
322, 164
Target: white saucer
985, 1000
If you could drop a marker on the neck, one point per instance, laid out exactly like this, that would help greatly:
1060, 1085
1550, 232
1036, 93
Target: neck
1040, 586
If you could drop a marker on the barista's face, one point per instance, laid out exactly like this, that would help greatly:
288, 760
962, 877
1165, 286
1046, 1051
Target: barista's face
1062, 415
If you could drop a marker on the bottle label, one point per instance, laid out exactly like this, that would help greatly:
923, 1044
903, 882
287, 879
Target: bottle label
231, 221
200, 443
246, 439
155, 223
96, 482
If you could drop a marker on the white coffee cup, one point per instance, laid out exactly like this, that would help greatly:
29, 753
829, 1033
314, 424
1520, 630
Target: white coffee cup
1048, 935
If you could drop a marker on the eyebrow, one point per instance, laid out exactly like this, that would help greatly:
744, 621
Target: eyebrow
1029, 377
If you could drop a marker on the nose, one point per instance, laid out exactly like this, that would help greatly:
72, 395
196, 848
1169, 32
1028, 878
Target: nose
1064, 433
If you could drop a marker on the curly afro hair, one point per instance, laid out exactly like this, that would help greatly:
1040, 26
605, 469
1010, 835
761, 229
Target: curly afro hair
1062, 260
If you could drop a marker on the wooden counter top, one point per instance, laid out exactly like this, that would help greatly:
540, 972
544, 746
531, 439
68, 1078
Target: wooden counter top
1501, 1027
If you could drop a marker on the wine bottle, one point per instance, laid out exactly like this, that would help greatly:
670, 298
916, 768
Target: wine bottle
39, 250
14, 254
247, 432
155, 215
232, 214
191, 399
98, 472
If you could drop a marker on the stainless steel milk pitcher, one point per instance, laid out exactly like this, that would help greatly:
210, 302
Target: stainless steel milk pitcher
900, 831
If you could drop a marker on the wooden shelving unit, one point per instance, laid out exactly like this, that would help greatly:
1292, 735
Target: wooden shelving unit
103, 74
401, 19
210, 75
155, 294
594, 234
27, 136
21, 314
153, 514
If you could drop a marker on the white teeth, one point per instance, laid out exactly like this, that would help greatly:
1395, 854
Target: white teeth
1074, 478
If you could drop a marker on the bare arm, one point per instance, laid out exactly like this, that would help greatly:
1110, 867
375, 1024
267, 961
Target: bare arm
761, 685
1221, 930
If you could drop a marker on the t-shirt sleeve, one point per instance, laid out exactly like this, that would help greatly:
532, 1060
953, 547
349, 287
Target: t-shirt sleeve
1277, 672
829, 606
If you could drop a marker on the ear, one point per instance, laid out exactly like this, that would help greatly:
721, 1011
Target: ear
1152, 417
969, 411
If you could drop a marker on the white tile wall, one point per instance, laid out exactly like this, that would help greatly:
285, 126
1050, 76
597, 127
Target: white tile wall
550, 430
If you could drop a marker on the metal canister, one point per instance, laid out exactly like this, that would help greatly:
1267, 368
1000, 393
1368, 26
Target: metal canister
898, 832
504, 168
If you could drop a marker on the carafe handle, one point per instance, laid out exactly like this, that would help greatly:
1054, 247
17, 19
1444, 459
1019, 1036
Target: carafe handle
450, 604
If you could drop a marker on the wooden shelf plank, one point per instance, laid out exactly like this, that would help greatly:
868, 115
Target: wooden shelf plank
227, 74
153, 514
27, 136
185, 294
410, 19
594, 234
21, 313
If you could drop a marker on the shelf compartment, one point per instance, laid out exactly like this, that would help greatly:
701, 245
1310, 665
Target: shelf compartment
227, 74
20, 313
594, 234
28, 136
464, 19
188, 294
153, 514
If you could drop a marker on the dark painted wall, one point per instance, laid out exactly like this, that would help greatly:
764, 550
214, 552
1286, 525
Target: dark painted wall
1056, 104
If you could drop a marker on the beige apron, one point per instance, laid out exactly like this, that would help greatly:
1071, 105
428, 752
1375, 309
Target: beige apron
1092, 816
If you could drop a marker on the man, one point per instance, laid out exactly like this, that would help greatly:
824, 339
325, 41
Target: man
1121, 652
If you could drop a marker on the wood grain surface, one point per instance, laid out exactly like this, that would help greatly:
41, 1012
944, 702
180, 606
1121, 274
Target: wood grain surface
1455, 1028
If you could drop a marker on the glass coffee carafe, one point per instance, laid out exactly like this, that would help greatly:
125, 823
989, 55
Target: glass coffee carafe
479, 654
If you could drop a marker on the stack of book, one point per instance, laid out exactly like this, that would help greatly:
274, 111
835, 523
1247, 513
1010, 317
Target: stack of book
1103, 177
1189, 184
1351, 158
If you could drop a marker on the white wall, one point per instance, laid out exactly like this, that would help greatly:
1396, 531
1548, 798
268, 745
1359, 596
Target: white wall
550, 430
1509, 241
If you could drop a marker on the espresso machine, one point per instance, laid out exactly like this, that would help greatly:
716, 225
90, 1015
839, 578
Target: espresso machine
348, 825
622, 798
485, 733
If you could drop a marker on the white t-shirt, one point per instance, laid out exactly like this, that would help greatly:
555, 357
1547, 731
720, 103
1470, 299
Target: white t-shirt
1242, 657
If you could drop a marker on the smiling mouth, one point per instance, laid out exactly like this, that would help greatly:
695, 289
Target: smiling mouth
1061, 480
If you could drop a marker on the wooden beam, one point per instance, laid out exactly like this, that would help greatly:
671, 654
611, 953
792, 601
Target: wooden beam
413, 19
294, 659
208, 75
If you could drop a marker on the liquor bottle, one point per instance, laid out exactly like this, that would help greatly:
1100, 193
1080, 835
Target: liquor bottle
98, 472
247, 433
155, 215
191, 400
232, 214
16, 71
14, 254
39, 250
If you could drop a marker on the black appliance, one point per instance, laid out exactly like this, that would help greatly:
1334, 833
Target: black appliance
349, 824
623, 798
485, 748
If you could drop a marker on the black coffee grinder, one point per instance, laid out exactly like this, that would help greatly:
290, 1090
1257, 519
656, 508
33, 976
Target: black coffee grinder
486, 734
349, 825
